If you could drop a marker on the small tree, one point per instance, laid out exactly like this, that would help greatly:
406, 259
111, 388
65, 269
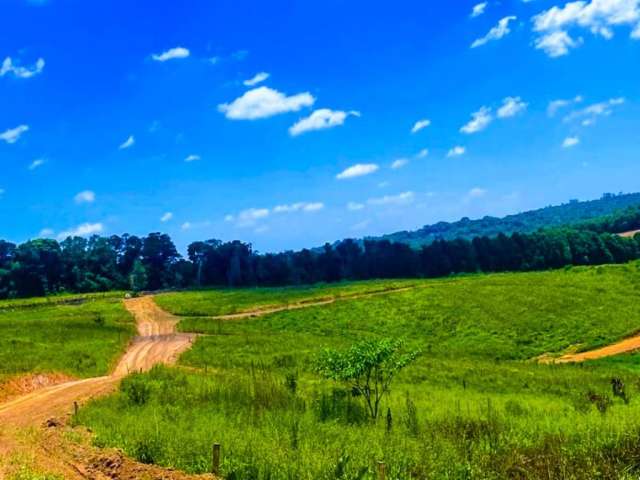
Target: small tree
138, 277
368, 367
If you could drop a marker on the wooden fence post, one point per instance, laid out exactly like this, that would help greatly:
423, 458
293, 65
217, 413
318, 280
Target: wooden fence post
382, 471
75, 408
216, 459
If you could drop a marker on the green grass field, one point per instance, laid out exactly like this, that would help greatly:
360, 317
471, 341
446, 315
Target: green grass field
473, 405
79, 335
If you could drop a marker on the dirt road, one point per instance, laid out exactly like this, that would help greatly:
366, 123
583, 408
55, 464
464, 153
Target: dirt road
624, 346
157, 342
259, 312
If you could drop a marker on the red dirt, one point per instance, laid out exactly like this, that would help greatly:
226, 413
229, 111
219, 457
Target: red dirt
624, 346
49, 407
629, 234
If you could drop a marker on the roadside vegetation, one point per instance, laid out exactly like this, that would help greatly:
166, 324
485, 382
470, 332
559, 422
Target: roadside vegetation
78, 335
471, 404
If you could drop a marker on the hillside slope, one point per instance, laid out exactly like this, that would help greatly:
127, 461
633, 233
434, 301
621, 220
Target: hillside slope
525, 222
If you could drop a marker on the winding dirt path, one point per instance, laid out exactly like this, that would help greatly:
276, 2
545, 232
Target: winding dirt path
623, 346
157, 342
259, 312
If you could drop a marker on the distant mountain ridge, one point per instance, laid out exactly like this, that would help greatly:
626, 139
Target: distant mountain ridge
526, 222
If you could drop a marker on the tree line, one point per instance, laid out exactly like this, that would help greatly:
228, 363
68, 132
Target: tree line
45, 266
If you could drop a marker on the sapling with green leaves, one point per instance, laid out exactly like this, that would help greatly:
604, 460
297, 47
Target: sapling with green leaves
368, 367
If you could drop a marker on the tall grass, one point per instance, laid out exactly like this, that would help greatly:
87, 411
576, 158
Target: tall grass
472, 406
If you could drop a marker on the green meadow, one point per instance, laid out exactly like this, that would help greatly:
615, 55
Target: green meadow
475, 404
79, 335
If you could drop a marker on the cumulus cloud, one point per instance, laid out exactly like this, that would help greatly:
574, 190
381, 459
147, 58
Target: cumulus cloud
192, 158
476, 192
171, 54
248, 217
456, 151
496, 33
357, 170
403, 198
399, 163
128, 143
256, 79
299, 207
588, 115
354, 206
556, 105
38, 162
423, 153
166, 217
12, 135
420, 124
479, 9
264, 102
570, 142
21, 72
86, 196
46, 232
479, 121
82, 230
320, 120
599, 17
511, 106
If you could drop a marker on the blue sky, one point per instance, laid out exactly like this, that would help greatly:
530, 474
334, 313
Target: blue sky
292, 123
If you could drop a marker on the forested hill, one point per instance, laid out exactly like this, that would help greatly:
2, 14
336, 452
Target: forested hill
553, 216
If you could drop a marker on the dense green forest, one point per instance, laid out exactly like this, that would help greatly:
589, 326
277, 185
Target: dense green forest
526, 222
45, 266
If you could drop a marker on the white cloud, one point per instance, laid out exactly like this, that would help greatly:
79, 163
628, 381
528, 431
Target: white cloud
82, 230
186, 226
13, 134
399, 163
166, 217
299, 207
357, 170
354, 206
86, 196
480, 120
423, 153
128, 143
173, 53
38, 162
192, 158
589, 114
476, 192
403, 198
556, 105
256, 79
496, 33
249, 217
321, 119
511, 106
21, 72
597, 16
420, 124
456, 151
264, 102
557, 44
479, 9
570, 142
46, 232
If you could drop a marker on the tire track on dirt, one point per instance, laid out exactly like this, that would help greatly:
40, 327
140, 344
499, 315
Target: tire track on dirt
157, 342
259, 312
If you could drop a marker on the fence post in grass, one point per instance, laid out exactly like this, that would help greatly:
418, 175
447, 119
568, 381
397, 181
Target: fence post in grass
215, 469
382, 471
75, 408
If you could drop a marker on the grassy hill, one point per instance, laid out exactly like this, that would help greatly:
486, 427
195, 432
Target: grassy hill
474, 405
526, 222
